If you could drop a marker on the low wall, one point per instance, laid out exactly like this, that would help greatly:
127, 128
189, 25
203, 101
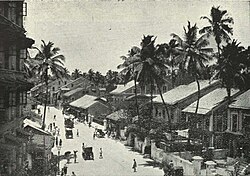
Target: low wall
160, 156
220, 153
188, 166
138, 145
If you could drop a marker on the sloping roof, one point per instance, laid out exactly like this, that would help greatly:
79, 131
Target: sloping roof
34, 125
242, 101
173, 96
73, 91
84, 102
117, 115
209, 101
121, 88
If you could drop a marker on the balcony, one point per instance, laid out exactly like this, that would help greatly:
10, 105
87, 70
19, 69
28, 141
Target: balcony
14, 78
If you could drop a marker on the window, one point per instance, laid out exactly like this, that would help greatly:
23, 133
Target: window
12, 57
21, 97
164, 113
53, 88
12, 12
234, 122
59, 82
72, 85
65, 82
23, 54
164, 89
12, 98
156, 112
2, 55
1, 98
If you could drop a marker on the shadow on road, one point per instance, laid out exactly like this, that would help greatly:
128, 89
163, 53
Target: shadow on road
151, 163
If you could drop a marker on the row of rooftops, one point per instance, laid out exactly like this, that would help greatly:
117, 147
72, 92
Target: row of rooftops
206, 103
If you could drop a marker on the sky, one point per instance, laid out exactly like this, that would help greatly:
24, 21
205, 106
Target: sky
95, 33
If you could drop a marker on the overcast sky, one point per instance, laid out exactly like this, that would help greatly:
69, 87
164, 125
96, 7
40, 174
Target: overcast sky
94, 33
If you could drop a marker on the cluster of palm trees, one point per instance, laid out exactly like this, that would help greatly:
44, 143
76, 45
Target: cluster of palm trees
149, 63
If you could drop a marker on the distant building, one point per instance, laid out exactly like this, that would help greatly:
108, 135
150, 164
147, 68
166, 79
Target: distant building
238, 126
79, 87
90, 108
13, 88
209, 124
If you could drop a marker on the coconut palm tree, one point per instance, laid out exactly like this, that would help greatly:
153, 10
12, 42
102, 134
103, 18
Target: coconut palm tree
194, 54
48, 63
76, 74
228, 69
152, 68
219, 26
128, 69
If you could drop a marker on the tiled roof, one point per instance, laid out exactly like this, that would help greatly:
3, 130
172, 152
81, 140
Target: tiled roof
84, 102
67, 94
121, 88
173, 96
209, 101
117, 115
242, 101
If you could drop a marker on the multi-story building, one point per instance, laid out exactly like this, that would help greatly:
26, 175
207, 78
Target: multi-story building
13, 87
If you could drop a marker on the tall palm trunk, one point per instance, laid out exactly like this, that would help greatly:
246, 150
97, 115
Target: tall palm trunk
218, 47
172, 72
46, 99
136, 100
198, 94
229, 94
165, 105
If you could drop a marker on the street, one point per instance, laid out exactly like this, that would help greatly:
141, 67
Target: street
117, 158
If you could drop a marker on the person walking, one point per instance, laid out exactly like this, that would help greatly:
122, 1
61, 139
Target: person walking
58, 132
62, 172
101, 156
54, 117
56, 141
94, 135
73, 174
75, 156
60, 143
134, 165
77, 133
65, 169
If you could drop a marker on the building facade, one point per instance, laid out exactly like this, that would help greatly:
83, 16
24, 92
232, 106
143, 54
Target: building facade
13, 88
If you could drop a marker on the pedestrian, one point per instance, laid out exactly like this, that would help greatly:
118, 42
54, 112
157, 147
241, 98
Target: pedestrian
54, 117
101, 156
60, 143
62, 172
77, 133
94, 135
56, 141
65, 169
134, 165
50, 125
89, 124
58, 132
39, 111
48, 108
73, 174
75, 156
54, 124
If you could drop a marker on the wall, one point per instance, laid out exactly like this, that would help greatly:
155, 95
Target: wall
162, 157
138, 145
220, 153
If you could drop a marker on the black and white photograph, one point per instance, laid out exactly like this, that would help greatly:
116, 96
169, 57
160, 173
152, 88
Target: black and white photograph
124, 87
